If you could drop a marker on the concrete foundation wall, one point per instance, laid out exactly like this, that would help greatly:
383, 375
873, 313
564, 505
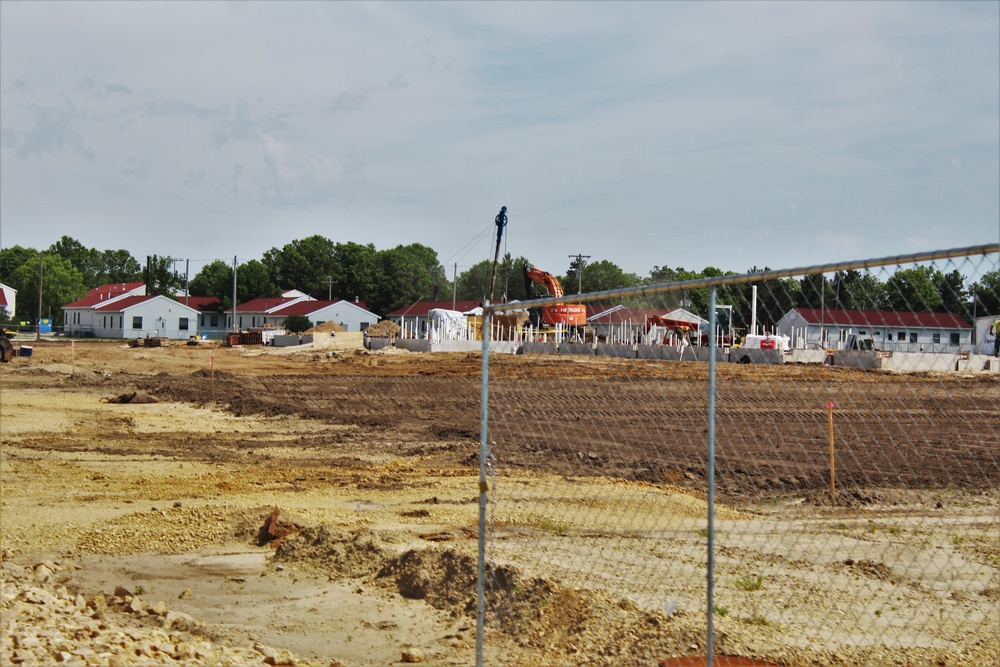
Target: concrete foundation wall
289, 341
703, 353
611, 350
806, 357
647, 351
859, 359
538, 348
916, 361
585, 349
757, 356
379, 343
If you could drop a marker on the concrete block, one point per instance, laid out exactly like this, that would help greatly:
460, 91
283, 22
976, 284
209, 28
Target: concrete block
586, 349
647, 351
797, 356
859, 359
538, 348
615, 350
703, 353
378, 343
752, 356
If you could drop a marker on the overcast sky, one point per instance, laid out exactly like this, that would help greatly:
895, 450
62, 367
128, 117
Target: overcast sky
646, 134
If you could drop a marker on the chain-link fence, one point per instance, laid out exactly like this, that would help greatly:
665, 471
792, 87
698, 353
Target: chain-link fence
796, 467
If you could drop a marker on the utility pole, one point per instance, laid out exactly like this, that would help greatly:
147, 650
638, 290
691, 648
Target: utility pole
38, 327
235, 328
581, 261
454, 286
329, 288
187, 273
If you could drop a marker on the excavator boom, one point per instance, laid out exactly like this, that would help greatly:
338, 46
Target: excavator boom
569, 314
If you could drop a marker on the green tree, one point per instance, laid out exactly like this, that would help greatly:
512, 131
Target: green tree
855, 290
297, 323
986, 294
253, 281
86, 260
61, 284
602, 275
954, 295
214, 279
915, 290
119, 266
159, 276
816, 291
355, 271
12, 258
407, 274
304, 264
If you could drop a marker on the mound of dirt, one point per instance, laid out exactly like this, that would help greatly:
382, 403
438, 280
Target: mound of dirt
384, 329
326, 327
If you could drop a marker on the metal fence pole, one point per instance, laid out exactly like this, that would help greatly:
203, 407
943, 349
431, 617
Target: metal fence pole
483, 454
710, 643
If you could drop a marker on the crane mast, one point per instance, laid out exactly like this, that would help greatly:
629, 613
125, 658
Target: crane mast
501, 222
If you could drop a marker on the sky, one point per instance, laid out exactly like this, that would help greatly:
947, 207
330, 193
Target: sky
681, 134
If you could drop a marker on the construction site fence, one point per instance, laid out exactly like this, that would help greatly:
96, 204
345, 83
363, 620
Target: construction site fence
649, 508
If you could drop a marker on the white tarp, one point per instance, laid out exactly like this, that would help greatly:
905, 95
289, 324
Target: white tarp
446, 324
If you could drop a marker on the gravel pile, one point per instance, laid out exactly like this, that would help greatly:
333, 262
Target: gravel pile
44, 621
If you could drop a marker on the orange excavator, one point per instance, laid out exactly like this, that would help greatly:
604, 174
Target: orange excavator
568, 314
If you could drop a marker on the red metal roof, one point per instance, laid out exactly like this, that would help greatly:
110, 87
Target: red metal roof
123, 303
422, 308
263, 305
883, 318
309, 307
114, 289
98, 295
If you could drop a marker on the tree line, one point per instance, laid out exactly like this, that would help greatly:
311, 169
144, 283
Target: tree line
386, 280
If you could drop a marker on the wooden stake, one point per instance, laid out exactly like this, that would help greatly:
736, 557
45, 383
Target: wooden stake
833, 485
213, 378
72, 347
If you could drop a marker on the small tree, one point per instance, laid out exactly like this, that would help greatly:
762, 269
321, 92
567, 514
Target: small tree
297, 323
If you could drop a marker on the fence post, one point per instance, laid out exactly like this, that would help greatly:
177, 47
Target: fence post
483, 454
710, 643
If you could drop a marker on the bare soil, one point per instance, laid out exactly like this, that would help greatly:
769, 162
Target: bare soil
157, 468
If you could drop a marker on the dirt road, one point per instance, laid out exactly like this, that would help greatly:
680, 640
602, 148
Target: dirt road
372, 459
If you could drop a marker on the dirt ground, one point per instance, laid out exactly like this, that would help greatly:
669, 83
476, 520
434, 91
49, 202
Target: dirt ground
155, 469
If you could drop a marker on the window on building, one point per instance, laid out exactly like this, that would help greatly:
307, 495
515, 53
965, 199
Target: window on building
913, 336
902, 336
105, 321
365, 325
889, 336
955, 338
137, 322
936, 337
214, 321
182, 324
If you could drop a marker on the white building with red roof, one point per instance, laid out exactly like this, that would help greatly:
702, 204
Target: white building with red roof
8, 300
352, 316
123, 310
899, 331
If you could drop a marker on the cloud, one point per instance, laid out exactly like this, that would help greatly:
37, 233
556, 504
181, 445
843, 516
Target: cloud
305, 182
54, 130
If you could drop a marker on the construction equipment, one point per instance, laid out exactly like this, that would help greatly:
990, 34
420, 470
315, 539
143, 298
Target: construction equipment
501, 222
567, 314
6, 350
678, 328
